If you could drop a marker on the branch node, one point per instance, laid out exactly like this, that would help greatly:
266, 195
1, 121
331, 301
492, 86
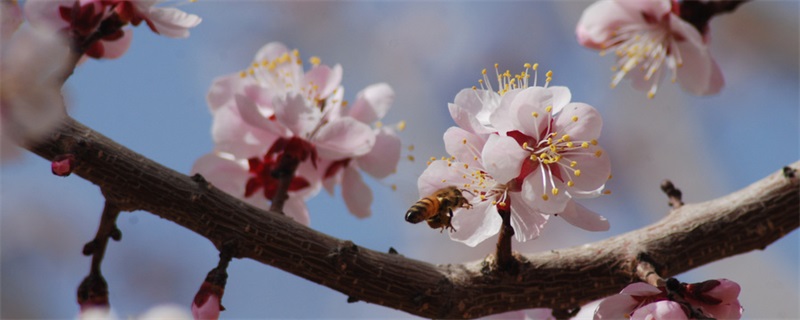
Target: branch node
673, 193
789, 172
352, 299
647, 270
393, 251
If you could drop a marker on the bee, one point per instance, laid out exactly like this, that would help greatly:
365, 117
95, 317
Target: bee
437, 209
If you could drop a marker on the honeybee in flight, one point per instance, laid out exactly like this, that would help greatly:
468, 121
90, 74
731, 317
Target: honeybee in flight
437, 209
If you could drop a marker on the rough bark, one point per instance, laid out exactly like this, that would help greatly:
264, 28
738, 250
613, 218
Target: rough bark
690, 236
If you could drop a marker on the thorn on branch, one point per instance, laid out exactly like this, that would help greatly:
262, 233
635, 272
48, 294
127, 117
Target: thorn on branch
352, 299
392, 251
674, 194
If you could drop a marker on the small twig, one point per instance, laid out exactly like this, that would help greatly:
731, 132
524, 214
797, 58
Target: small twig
673, 193
505, 259
93, 290
646, 271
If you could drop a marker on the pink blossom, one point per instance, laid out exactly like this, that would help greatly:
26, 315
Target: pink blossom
206, 303
82, 19
32, 68
709, 299
648, 36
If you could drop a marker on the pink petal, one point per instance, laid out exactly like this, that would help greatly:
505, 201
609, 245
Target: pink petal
502, 158
667, 310
222, 90
357, 195
503, 118
382, 160
724, 310
561, 97
344, 138
577, 215
727, 290
527, 221
599, 22
654, 8
172, 22
477, 224
10, 20
324, 78
640, 289
115, 49
696, 75
535, 186
252, 114
594, 171
440, 174
372, 103
530, 100
45, 13
295, 208
615, 307
271, 51
209, 310
588, 125
464, 110
469, 152
223, 173
231, 134
293, 112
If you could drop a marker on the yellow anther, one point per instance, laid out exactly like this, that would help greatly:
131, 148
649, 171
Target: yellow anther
553, 148
483, 197
315, 61
545, 197
650, 95
443, 158
242, 74
466, 166
584, 145
574, 118
494, 202
526, 65
535, 66
264, 62
549, 74
394, 187
410, 158
401, 125
484, 71
378, 124
251, 72
610, 176
444, 180
570, 183
449, 164
411, 147
594, 142
535, 114
464, 141
255, 64
429, 163
578, 173
542, 156
496, 65
475, 158
565, 137
548, 108
572, 164
524, 145
606, 191
433, 158
474, 88
598, 153
555, 191
345, 103
533, 157
570, 144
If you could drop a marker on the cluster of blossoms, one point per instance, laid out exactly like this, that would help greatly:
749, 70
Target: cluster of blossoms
712, 299
648, 36
274, 117
523, 148
35, 56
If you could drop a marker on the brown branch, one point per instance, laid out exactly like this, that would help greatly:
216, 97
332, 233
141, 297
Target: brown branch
691, 236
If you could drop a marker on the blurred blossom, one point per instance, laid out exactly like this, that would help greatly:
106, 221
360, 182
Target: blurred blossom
32, 67
164, 311
648, 36
523, 148
718, 299
276, 113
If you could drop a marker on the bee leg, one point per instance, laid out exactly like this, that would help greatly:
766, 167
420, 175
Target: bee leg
449, 224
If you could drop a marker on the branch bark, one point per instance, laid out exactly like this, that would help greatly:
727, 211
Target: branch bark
691, 236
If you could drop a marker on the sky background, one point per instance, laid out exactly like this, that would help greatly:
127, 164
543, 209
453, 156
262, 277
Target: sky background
152, 100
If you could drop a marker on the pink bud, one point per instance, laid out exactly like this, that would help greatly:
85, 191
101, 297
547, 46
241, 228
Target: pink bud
63, 164
207, 304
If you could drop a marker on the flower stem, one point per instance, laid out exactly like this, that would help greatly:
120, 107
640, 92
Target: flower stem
284, 173
505, 259
93, 290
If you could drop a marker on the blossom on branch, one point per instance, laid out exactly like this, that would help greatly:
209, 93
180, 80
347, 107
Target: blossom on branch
522, 147
95, 26
647, 37
716, 299
275, 118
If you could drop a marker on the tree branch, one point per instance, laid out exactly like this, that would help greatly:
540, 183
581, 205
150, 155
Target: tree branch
690, 236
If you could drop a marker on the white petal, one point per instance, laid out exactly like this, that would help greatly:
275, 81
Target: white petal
440, 174
502, 158
538, 185
561, 97
526, 103
293, 112
475, 225
172, 22
465, 108
382, 160
223, 173
295, 208
372, 103
577, 215
615, 307
469, 152
357, 195
527, 221
581, 121
344, 138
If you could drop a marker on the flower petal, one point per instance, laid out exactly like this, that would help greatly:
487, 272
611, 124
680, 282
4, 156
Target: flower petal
464, 110
475, 225
615, 307
357, 195
529, 111
537, 189
502, 118
10, 19
595, 167
527, 221
577, 215
660, 310
232, 135
172, 22
696, 74
222, 91
344, 138
293, 112
465, 146
502, 158
372, 103
440, 174
223, 173
271, 51
640, 289
382, 160
599, 22
581, 121
561, 97
324, 78
295, 207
